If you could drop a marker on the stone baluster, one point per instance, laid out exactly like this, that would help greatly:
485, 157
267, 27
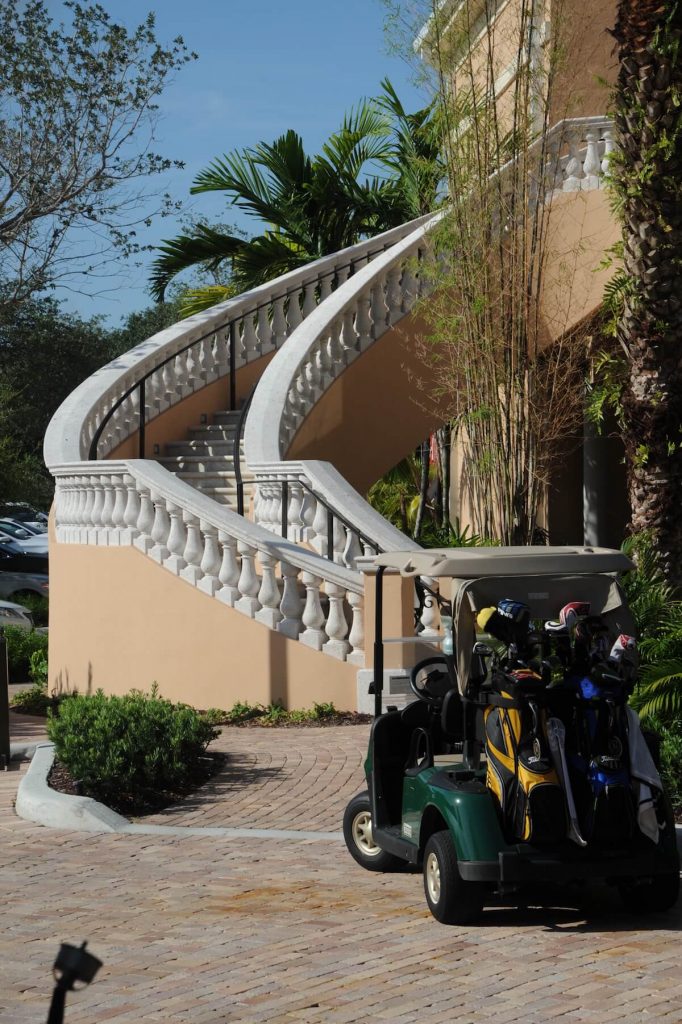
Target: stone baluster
183, 385
335, 348
160, 529
119, 534
356, 637
291, 604
394, 298
309, 298
349, 338
177, 539
319, 539
249, 584
294, 315
194, 550
294, 518
608, 149
326, 284
145, 522
592, 164
337, 627
308, 510
190, 368
554, 175
264, 330
363, 321
313, 617
86, 521
169, 384
250, 339
107, 513
379, 309
279, 322
211, 560
222, 352
352, 549
574, 168
96, 511
229, 573
132, 510
313, 378
339, 539
430, 617
323, 364
268, 595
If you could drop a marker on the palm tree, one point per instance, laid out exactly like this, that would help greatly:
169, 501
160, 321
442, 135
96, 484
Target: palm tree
313, 206
647, 177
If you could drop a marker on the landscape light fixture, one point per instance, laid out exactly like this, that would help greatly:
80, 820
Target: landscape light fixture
72, 965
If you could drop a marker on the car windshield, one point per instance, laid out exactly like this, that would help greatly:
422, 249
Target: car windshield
14, 530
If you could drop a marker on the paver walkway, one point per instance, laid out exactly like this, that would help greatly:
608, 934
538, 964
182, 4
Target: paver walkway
193, 929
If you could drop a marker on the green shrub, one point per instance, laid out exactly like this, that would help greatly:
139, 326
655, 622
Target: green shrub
22, 644
671, 761
270, 714
34, 701
133, 747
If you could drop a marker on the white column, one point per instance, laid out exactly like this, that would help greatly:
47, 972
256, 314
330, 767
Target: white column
249, 584
337, 627
268, 595
228, 576
194, 550
211, 560
291, 603
313, 617
177, 539
356, 637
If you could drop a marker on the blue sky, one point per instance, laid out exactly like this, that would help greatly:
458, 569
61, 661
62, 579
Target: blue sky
264, 66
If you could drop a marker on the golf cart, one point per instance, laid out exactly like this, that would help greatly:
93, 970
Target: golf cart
519, 762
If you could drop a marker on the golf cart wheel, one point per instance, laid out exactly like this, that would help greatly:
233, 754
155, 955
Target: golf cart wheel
652, 895
451, 900
357, 831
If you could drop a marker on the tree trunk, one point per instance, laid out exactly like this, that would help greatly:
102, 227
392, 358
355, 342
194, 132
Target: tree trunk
647, 176
423, 489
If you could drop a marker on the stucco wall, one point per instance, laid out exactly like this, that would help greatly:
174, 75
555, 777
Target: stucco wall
118, 621
374, 413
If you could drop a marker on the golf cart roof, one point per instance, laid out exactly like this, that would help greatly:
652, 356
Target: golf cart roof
477, 563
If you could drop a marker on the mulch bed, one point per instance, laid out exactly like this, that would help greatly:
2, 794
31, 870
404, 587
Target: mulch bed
128, 805
340, 718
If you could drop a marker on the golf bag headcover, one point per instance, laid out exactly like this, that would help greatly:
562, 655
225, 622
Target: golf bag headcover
508, 622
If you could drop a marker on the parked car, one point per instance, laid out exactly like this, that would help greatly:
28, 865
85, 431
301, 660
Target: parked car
22, 513
22, 573
12, 614
27, 540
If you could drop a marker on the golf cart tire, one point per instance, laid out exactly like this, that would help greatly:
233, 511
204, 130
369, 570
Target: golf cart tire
450, 898
357, 831
652, 896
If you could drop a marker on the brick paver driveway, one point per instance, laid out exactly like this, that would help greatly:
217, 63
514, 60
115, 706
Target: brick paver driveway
195, 929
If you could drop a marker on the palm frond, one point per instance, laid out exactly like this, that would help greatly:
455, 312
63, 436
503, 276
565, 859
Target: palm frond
206, 246
196, 300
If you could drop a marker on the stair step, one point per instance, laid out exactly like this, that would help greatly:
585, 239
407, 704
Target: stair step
210, 433
199, 463
218, 448
227, 418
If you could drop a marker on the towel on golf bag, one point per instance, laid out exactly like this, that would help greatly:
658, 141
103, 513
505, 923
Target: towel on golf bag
644, 776
520, 773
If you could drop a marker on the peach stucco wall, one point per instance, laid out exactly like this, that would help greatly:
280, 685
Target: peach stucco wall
118, 621
373, 414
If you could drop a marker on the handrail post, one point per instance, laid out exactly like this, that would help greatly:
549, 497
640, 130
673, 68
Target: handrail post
285, 509
142, 419
4, 704
330, 534
233, 367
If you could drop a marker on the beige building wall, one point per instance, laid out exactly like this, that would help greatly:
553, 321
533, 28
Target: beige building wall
120, 621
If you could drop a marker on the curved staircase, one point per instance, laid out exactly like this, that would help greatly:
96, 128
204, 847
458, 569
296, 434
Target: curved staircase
147, 455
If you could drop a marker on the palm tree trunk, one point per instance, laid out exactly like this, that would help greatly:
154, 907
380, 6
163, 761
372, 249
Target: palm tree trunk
647, 174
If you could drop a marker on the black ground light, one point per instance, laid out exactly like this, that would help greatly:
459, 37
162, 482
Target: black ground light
72, 964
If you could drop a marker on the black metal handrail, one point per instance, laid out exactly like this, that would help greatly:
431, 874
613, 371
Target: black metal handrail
332, 515
231, 329
237, 450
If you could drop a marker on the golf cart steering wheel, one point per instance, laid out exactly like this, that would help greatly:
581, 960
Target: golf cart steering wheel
432, 686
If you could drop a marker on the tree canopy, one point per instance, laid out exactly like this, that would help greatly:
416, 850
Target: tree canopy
78, 105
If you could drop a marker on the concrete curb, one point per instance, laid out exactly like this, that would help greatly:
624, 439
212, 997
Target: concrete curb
21, 751
37, 802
